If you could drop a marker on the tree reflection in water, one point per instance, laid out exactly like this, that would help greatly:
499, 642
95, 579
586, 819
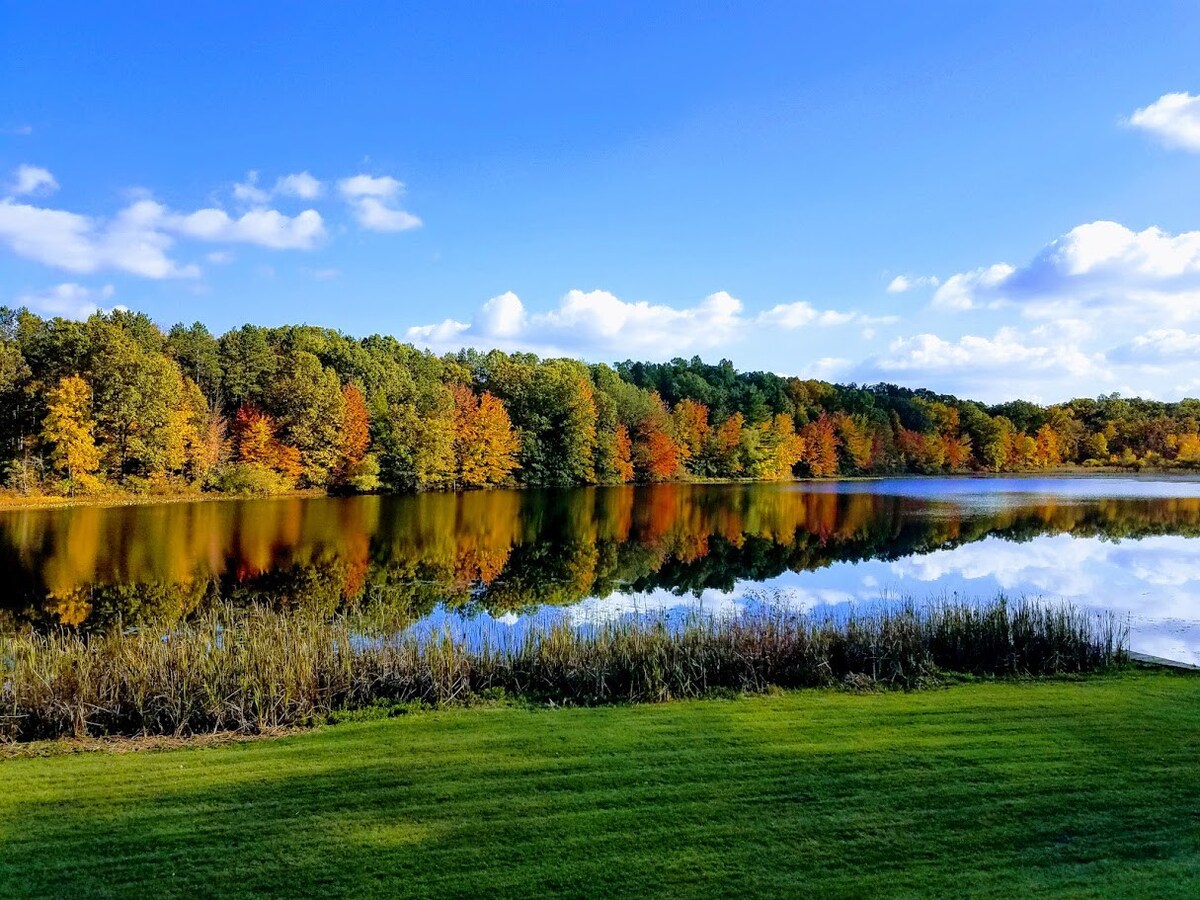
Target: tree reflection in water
501, 551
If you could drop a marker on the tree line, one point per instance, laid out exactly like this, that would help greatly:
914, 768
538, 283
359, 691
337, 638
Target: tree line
115, 404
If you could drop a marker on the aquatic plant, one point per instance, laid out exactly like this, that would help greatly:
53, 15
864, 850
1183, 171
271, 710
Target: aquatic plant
253, 670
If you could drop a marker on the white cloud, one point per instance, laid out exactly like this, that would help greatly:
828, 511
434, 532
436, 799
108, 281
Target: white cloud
248, 191
373, 200
1099, 267
1106, 307
902, 283
791, 316
1006, 353
131, 242
70, 300
384, 187
263, 227
961, 291
1173, 118
597, 322
33, 180
138, 238
301, 185
1160, 345
826, 368
220, 257
298, 184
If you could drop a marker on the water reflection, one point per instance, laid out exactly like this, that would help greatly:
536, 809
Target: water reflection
1116, 543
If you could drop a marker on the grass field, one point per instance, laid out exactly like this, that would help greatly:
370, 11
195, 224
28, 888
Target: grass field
1080, 788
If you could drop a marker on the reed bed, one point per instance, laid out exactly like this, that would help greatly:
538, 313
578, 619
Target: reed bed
255, 670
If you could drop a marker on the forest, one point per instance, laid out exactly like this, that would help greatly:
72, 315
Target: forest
115, 405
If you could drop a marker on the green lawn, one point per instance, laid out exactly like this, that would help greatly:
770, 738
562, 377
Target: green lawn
1053, 788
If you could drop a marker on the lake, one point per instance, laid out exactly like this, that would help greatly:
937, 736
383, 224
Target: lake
505, 558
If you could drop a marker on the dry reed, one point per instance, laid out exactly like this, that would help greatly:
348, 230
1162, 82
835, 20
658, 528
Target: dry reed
257, 670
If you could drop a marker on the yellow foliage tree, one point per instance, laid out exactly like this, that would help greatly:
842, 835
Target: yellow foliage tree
690, 422
68, 428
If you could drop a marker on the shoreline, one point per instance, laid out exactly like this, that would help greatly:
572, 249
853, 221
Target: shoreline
13, 502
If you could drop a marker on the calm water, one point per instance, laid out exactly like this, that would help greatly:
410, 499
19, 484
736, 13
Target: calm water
1127, 545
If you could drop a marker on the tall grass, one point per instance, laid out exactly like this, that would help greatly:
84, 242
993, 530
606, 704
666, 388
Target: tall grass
254, 670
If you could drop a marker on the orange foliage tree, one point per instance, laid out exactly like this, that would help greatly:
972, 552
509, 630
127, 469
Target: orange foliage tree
623, 454
485, 444
255, 443
958, 452
356, 426
821, 447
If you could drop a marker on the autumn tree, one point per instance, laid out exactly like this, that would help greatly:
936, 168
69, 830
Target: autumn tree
356, 469
485, 445
68, 430
256, 443
856, 440
820, 447
1047, 447
1186, 448
1095, 446
613, 447
958, 452
727, 443
622, 454
779, 448
689, 421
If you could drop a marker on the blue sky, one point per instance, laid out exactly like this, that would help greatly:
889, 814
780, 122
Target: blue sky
629, 180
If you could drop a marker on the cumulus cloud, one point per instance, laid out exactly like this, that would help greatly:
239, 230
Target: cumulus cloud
1006, 365
131, 242
138, 238
374, 203
263, 227
33, 180
1101, 266
597, 322
69, 300
902, 283
1004, 352
1173, 118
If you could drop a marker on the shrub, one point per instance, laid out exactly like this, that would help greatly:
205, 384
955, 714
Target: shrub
248, 478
